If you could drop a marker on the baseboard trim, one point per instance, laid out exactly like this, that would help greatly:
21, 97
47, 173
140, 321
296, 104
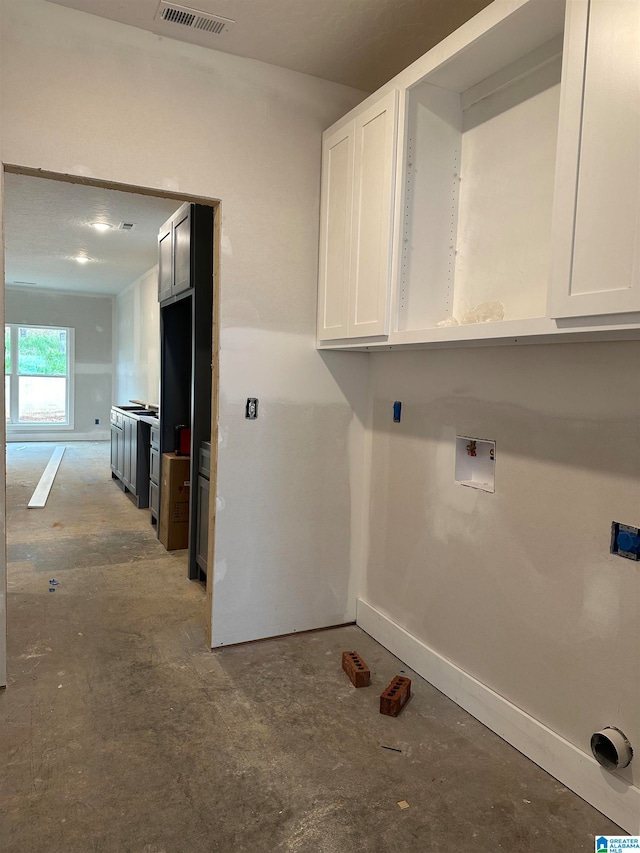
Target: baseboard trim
579, 771
22, 437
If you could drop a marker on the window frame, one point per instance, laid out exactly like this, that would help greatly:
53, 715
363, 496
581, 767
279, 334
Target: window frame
15, 426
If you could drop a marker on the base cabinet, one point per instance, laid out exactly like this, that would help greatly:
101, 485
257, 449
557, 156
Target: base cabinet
202, 517
130, 454
154, 474
203, 523
117, 441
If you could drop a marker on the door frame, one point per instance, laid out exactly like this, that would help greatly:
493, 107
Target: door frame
215, 347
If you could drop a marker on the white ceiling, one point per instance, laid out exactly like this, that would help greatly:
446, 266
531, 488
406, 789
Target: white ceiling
360, 43
48, 223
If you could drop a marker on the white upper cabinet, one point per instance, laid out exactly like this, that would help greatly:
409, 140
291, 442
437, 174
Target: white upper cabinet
503, 202
335, 233
596, 268
356, 223
372, 235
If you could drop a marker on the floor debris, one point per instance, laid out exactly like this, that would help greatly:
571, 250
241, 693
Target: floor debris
394, 697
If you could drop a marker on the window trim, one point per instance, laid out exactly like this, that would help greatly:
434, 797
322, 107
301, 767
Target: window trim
22, 426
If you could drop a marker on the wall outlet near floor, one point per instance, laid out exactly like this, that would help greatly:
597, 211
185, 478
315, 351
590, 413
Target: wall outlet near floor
97, 421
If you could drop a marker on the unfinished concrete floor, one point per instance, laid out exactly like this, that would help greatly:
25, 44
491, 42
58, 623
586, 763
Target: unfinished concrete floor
122, 732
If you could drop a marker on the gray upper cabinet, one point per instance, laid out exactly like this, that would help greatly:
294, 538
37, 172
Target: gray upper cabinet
174, 254
182, 249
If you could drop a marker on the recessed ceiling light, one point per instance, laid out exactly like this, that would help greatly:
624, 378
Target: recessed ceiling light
81, 259
101, 226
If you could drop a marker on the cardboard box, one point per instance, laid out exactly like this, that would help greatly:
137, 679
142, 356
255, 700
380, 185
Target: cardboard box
173, 527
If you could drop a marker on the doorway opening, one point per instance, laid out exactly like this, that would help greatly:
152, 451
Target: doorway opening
81, 258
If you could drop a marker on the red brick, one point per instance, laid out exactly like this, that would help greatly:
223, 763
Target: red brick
395, 696
356, 669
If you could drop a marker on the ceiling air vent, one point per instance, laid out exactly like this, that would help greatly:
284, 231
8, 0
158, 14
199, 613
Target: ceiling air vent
171, 13
127, 226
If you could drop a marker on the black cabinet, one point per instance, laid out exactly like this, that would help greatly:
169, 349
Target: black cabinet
130, 454
154, 474
202, 519
130, 449
165, 261
116, 450
175, 248
186, 324
117, 444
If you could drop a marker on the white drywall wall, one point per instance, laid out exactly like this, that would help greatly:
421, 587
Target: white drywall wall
3, 470
86, 96
517, 588
91, 318
138, 340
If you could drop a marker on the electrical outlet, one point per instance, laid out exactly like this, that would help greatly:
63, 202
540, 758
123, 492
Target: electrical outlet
625, 540
251, 411
97, 421
397, 412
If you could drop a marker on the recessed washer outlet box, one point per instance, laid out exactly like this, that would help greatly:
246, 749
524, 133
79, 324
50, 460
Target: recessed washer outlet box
475, 463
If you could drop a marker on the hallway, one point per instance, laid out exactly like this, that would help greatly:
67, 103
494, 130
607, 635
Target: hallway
122, 732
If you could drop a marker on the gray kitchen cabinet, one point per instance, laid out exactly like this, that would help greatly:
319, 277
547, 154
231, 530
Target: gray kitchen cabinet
202, 518
174, 254
130, 452
186, 357
154, 474
130, 461
117, 444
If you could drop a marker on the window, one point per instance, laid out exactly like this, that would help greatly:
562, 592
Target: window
38, 375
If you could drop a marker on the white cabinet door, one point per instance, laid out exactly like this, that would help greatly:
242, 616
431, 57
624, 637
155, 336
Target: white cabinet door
597, 218
375, 146
356, 224
335, 233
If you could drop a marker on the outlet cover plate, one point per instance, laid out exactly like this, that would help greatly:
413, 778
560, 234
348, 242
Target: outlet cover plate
625, 540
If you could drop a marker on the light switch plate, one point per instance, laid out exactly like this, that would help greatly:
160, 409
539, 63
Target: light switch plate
251, 411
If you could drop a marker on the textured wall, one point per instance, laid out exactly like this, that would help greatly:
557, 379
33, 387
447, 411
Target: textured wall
518, 588
86, 96
91, 317
138, 340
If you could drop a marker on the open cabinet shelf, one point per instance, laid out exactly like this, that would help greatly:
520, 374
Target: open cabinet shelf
479, 169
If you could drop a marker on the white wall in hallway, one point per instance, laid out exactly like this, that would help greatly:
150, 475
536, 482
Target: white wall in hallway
87, 96
138, 340
3, 471
516, 588
91, 317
